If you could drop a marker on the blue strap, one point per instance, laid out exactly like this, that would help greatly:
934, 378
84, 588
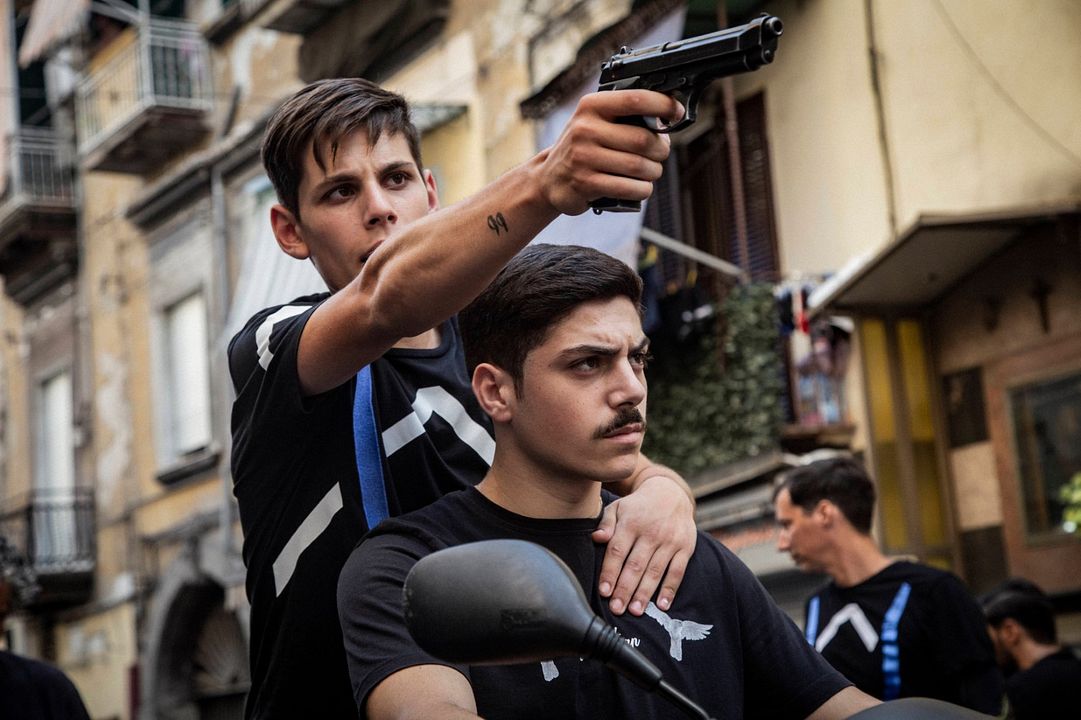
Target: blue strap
812, 621
373, 492
891, 656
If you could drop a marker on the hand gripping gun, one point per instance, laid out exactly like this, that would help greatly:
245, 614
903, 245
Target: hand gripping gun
685, 69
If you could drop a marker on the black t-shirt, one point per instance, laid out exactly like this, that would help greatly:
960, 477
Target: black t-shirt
1049, 690
723, 643
297, 485
910, 627
32, 690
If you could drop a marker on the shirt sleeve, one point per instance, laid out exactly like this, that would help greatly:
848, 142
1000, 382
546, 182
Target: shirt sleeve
269, 404
783, 676
377, 641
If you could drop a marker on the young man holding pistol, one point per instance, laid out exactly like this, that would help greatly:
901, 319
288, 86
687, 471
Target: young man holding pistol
354, 405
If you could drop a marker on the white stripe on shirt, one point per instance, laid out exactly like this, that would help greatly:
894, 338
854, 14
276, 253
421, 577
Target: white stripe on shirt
262, 334
313, 526
436, 400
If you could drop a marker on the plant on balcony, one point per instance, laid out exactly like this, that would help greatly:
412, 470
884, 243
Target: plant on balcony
1070, 494
715, 400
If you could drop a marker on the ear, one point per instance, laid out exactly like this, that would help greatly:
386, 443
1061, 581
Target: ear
824, 512
495, 393
433, 191
1010, 632
287, 232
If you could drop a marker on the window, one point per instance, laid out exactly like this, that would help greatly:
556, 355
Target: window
188, 376
56, 455
54, 481
1047, 439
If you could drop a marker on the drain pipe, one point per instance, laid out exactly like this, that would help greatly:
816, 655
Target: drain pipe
221, 406
880, 115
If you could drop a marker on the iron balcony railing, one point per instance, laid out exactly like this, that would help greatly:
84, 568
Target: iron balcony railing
166, 65
53, 529
39, 172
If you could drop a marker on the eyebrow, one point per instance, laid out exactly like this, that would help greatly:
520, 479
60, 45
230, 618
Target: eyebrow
396, 166
602, 350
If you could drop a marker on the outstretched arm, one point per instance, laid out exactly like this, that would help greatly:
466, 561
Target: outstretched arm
422, 692
651, 535
431, 268
844, 704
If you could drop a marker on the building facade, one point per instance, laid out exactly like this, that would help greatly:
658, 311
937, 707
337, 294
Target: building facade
911, 137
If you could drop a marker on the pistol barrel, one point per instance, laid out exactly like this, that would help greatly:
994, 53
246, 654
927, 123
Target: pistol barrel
719, 54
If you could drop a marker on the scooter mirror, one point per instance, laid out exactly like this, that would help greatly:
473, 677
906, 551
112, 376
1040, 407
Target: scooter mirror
496, 602
499, 602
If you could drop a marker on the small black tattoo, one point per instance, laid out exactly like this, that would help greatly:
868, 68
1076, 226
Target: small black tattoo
498, 223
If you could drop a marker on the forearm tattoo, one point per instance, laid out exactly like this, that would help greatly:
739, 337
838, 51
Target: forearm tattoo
498, 223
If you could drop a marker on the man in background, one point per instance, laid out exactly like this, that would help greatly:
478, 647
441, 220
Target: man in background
29, 689
1044, 678
894, 628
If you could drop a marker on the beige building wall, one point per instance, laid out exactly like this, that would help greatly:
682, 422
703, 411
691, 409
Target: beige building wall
978, 110
15, 465
95, 653
828, 181
981, 100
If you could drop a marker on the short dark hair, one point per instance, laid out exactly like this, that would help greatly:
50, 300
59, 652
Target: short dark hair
843, 481
539, 287
321, 114
1024, 602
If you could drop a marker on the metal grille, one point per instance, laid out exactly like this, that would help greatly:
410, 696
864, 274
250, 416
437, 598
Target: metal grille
166, 64
53, 529
40, 168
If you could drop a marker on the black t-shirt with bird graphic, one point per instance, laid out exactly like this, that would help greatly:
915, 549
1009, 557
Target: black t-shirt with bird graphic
723, 643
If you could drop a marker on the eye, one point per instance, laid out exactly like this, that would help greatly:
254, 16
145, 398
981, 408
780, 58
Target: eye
397, 178
587, 364
339, 193
641, 359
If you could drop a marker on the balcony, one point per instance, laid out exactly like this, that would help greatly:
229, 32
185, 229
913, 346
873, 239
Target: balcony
37, 214
147, 99
54, 531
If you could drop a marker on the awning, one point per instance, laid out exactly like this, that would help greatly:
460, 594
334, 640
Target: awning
927, 260
51, 22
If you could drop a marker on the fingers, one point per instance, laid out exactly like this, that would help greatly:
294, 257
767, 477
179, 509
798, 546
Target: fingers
638, 579
599, 157
651, 536
622, 103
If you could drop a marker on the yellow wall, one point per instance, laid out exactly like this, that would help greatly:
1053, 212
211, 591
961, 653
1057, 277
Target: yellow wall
966, 131
96, 653
828, 186
15, 468
982, 108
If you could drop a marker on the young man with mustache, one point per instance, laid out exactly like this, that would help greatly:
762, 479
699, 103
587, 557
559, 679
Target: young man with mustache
558, 357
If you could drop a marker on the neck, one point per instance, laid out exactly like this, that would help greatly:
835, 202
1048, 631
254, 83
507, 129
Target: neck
427, 340
527, 490
857, 558
1030, 652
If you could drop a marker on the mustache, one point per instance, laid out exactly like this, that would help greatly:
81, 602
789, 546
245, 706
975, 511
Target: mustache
625, 416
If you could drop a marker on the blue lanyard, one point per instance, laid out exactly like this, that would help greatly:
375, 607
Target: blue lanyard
812, 620
891, 655
373, 493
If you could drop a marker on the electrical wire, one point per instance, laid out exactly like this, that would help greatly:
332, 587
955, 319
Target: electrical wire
1000, 90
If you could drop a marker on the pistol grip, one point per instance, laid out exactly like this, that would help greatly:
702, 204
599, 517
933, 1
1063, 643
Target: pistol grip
615, 204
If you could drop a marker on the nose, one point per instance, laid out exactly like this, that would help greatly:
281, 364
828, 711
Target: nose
629, 387
783, 541
379, 210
